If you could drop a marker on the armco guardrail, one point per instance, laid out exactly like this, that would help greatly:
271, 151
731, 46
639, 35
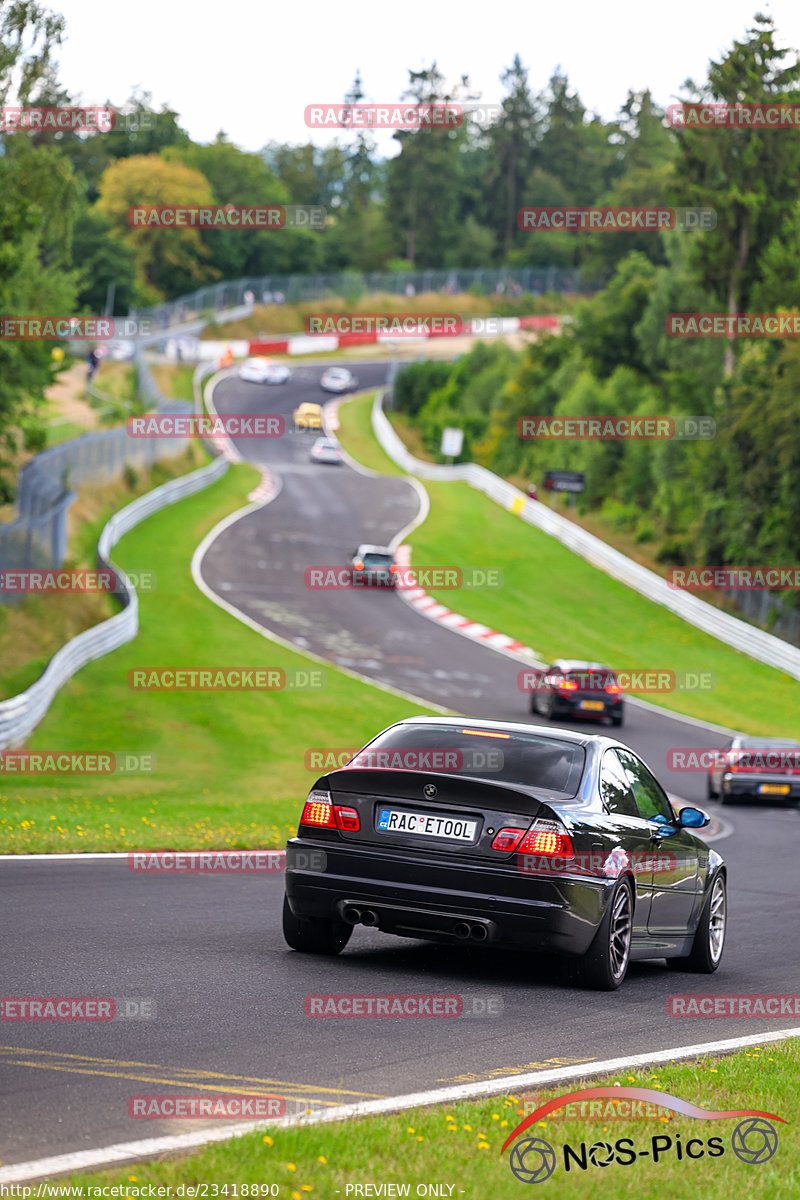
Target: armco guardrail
20, 715
748, 639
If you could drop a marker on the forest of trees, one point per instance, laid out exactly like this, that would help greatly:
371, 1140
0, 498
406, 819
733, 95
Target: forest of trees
735, 497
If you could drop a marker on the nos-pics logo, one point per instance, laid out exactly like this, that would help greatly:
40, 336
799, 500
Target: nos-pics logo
533, 1160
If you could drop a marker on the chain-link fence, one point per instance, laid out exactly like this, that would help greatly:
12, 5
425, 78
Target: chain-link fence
768, 611
37, 537
293, 289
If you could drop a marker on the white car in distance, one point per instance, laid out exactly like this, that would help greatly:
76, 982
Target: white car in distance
263, 370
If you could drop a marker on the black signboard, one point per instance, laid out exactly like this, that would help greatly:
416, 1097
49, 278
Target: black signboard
565, 481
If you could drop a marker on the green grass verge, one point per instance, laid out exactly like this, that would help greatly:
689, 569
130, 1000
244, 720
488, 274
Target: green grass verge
459, 1145
230, 765
559, 604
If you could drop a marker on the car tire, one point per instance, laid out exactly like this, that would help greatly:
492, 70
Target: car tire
314, 935
709, 939
605, 964
617, 720
710, 793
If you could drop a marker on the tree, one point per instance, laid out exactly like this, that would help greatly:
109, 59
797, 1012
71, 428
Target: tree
38, 200
424, 178
512, 143
168, 261
750, 174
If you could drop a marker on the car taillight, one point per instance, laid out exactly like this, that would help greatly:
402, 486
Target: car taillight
508, 839
318, 811
347, 818
359, 566
394, 568
613, 689
569, 685
546, 837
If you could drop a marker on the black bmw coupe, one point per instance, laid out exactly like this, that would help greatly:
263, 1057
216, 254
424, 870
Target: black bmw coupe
455, 830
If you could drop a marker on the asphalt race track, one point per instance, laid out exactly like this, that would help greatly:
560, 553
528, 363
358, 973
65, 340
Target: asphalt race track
229, 995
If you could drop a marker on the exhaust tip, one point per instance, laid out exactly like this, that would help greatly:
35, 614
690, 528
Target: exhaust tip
461, 930
478, 933
352, 915
368, 917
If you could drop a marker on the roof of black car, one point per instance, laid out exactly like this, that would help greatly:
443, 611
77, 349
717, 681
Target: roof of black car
522, 727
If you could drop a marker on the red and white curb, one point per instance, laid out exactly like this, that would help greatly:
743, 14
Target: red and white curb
303, 343
266, 490
331, 413
425, 604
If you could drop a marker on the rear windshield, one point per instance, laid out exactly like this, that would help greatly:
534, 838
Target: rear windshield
513, 758
378, 560
592, 680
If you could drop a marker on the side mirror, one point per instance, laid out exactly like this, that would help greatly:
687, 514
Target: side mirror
693, 818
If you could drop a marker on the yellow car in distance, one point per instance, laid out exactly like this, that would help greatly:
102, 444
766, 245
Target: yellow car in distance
308, 416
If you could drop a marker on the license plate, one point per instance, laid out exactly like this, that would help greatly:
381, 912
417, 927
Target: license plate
592, 705
773, 789
455, 829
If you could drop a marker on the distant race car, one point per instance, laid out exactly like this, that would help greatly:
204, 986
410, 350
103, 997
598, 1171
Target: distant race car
755, 766
337, 379
263, 370
308, 416
571, 688
524, 839
374, 566
326, 450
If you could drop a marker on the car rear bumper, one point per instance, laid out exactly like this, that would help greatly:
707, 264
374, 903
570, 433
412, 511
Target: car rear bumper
429, 898
569, 707
749, 785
